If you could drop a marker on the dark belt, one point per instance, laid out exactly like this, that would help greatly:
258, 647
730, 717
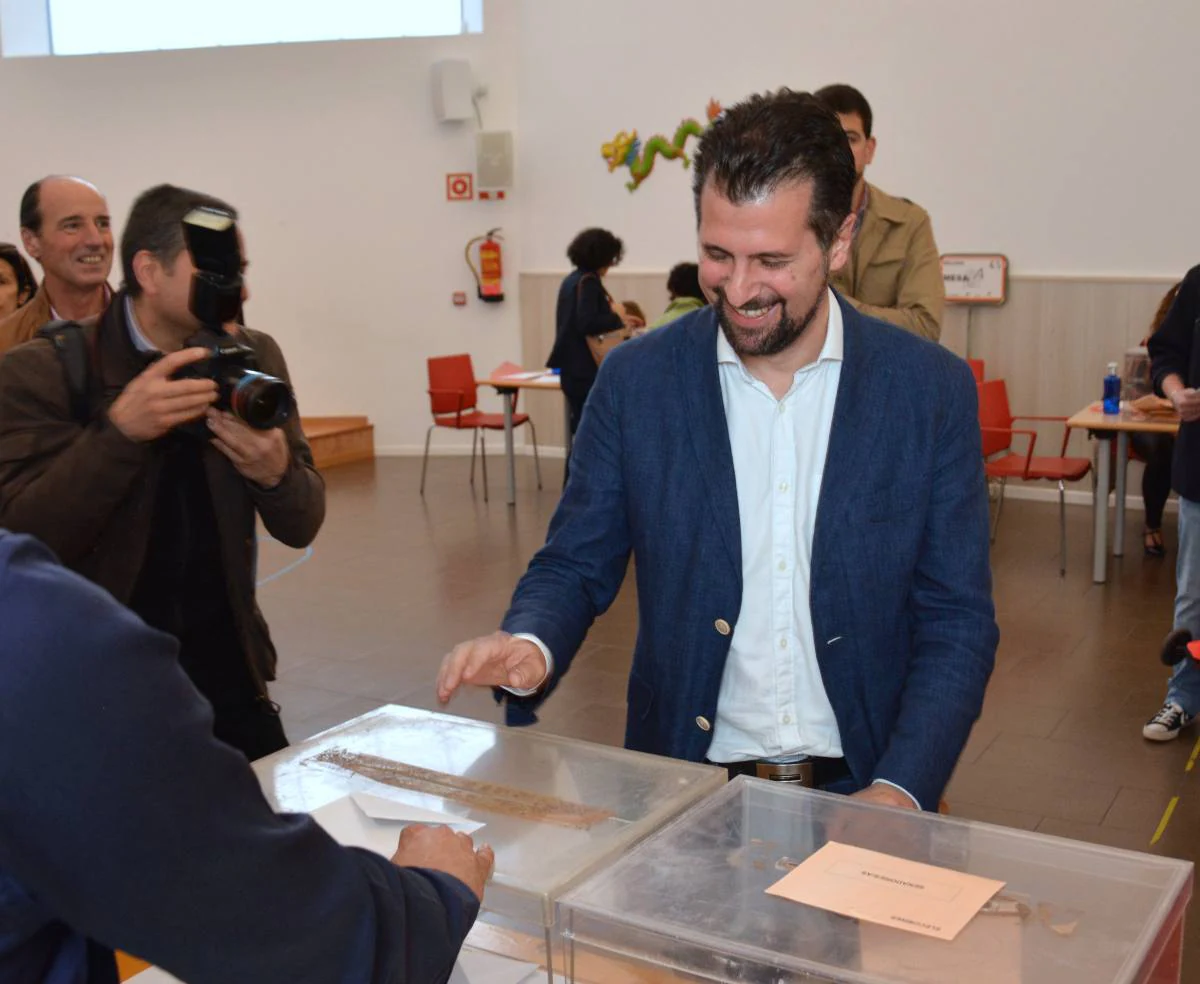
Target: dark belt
813, 772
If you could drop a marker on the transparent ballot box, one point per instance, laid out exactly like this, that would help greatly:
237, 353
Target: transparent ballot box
689, 903
554, 809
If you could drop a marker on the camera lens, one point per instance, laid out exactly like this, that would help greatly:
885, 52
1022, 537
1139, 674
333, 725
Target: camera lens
261, 401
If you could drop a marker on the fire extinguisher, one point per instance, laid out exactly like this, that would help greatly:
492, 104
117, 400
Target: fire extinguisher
488, 273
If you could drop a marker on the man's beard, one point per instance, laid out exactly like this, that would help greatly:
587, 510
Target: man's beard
771, 341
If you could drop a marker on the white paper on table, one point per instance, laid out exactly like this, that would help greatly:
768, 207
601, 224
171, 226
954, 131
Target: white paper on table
362, 820
523, 375
379, 808
473, 967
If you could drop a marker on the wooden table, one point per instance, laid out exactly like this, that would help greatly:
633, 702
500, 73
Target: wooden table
1103, 426
507, 379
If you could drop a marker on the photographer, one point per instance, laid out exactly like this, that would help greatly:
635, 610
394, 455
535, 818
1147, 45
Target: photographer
150, 490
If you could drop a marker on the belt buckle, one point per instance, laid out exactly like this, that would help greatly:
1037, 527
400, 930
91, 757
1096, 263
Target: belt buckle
799, 773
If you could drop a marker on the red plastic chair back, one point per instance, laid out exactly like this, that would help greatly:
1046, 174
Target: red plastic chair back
994, 412
977, 368
451, 384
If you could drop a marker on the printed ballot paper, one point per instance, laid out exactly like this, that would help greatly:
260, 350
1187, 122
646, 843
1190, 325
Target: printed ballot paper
890, 891
363, 820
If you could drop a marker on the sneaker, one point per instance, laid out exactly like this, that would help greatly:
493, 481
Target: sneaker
1167, 723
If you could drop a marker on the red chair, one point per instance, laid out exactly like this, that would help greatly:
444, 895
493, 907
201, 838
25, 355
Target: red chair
453, 398
977, 368
1001, 462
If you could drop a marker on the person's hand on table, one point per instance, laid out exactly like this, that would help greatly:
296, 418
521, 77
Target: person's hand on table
901, 835
881, 794
1152, 404
1187, 403
448, 851
496, 660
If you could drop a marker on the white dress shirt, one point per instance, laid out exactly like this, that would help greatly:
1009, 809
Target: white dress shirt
772, 701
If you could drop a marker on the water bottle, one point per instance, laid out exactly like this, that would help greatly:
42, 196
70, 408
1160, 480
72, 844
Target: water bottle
1112, 390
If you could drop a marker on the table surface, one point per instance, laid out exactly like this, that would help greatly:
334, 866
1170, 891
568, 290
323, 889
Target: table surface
1093, 418
509, 375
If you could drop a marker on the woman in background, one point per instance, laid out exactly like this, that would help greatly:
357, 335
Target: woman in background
1156, 451
587, 321
17, 285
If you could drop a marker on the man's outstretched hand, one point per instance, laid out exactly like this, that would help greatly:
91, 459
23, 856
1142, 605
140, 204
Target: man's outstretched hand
496, 660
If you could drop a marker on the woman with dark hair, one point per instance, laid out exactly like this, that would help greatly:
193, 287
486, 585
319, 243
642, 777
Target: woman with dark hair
588, 322
17, 285
1156, 450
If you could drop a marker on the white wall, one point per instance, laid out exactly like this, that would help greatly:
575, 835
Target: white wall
332, 154
1062, 134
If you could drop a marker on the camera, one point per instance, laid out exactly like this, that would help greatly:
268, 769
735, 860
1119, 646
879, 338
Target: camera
259, 400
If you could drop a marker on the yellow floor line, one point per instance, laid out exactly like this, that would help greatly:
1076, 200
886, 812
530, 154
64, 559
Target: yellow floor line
1166, 819
1195, 755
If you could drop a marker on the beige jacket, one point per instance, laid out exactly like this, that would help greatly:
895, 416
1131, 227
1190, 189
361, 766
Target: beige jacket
894, 272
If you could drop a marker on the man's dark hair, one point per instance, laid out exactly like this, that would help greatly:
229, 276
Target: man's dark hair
771, 140
24, 275
155, 224
31, 208
595, 249
844, 100
684, 281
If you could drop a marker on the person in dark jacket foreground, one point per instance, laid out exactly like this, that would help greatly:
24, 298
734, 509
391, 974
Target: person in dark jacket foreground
125, 823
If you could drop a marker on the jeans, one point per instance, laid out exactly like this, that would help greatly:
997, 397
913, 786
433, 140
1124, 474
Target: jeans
1184, 688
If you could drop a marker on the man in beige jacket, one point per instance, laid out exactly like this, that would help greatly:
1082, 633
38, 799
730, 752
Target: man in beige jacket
894, 271
65, 226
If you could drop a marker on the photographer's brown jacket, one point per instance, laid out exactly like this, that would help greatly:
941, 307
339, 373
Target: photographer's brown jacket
88, 492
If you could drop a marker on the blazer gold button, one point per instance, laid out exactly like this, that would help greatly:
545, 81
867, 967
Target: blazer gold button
722, 626
702, 723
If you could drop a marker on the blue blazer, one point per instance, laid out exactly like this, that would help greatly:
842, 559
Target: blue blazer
903, 621
125, 823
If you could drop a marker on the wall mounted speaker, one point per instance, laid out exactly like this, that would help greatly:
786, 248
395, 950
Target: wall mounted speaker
494, 159
452, 85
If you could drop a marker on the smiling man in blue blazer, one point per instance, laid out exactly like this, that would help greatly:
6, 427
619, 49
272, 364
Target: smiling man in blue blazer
802, 489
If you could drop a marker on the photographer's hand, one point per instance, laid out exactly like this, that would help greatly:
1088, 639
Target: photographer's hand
260, 456
153, 402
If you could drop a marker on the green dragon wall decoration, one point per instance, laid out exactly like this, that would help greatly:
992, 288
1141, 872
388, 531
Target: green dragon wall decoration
627, 150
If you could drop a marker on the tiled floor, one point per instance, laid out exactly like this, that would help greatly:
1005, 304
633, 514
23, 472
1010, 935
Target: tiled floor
395, 580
